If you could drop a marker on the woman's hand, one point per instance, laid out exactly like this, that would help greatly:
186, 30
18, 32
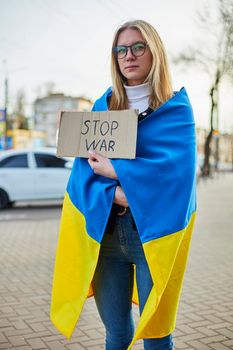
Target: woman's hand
101, 165
120, 197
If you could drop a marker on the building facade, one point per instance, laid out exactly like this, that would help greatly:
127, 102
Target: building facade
221, 154
20, 138
46, 112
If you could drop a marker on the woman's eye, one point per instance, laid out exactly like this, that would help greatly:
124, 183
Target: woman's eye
138, 47
121, 50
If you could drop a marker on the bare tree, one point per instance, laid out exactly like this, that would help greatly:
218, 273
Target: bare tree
19, 119
215, 56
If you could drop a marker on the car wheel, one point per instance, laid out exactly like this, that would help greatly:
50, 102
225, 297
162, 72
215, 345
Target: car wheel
4, 200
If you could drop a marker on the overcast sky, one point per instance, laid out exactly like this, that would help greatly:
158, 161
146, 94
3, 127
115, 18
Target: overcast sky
68, 42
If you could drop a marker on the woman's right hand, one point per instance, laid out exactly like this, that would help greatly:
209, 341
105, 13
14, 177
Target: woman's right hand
120, 197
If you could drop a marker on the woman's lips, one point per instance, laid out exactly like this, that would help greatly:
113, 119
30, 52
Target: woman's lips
130, 67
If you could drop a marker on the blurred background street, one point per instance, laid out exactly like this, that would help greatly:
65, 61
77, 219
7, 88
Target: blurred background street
28, 237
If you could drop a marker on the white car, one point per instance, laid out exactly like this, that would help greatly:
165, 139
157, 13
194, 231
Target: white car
35, 174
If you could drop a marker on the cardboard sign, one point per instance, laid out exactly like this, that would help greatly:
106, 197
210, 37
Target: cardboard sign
112, 134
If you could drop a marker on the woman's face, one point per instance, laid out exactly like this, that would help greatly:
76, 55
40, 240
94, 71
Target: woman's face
134, 69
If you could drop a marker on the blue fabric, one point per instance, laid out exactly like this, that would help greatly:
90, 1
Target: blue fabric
113, 284
92, 195
159, 184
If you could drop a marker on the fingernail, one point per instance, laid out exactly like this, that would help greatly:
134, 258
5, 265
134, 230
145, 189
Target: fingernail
91, 152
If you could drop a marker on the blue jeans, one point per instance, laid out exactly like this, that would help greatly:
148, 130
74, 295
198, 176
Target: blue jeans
113, 286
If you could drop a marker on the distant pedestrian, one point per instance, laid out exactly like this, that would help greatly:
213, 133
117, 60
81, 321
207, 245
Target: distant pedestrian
128, 223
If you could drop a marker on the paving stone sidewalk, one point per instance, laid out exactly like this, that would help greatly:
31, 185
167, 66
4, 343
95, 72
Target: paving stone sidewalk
205, 319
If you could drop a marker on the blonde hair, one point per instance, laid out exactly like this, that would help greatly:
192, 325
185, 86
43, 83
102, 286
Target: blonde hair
158, 78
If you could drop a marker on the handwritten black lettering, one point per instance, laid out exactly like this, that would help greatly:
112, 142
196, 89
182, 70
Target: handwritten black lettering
86, 124
95, 124
100, 145
103, 146
93, 145
114, 125
103, 133
111, 145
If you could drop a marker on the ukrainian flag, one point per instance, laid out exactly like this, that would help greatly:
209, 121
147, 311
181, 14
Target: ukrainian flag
160, 186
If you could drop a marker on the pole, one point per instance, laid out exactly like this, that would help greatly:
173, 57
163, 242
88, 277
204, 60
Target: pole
217, 132
6, 89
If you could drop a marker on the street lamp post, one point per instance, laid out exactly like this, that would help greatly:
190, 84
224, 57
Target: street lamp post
6, 110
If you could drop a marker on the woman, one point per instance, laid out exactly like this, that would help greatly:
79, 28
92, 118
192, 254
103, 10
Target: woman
134, 217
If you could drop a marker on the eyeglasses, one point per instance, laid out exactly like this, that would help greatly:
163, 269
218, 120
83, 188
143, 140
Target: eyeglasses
137, 50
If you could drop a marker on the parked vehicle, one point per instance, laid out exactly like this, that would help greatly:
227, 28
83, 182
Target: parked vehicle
35, 174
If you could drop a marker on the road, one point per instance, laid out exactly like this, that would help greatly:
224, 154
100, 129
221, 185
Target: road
28, 238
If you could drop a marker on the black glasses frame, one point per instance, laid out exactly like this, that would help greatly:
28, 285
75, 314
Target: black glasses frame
129, 47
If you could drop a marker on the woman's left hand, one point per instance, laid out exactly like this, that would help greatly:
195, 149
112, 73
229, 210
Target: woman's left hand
101, 165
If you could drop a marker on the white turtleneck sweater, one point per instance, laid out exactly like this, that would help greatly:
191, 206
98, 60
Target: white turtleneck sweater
138, 96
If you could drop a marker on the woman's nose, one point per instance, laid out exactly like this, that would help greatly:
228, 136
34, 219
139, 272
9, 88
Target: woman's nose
129, 55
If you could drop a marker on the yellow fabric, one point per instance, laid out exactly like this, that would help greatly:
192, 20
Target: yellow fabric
76, 259
167, 258
135, 290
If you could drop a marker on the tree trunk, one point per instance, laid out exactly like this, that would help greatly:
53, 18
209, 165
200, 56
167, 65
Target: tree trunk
206, 170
